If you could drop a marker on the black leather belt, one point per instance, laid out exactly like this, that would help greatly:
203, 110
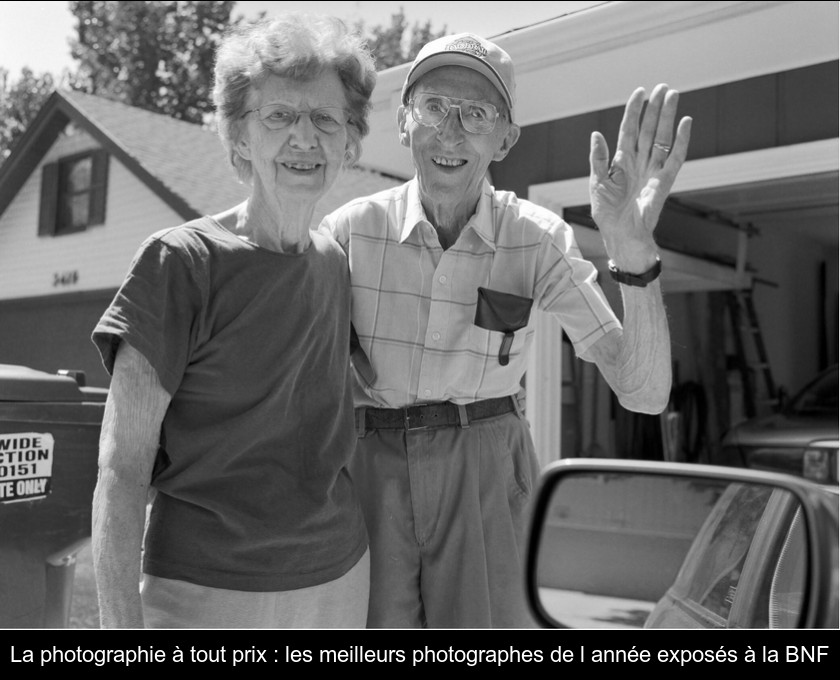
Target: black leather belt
425, 416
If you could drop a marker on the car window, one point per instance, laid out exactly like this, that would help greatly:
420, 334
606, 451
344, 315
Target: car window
818, 398
716, 575
746, 567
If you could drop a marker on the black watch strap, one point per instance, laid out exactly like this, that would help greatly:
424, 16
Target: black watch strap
640, 280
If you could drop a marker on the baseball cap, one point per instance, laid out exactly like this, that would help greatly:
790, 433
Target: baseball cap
471, 51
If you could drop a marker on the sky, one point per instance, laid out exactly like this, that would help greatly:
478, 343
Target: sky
35, 34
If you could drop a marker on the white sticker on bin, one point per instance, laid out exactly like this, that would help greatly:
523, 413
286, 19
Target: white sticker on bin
26, 460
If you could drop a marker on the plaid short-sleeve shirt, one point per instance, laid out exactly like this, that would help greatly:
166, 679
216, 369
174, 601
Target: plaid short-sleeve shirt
414, 304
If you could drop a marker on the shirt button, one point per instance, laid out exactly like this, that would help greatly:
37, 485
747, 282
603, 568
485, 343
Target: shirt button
427, 393
442, 278
435, 336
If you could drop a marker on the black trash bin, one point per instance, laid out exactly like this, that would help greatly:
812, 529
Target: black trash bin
49, 439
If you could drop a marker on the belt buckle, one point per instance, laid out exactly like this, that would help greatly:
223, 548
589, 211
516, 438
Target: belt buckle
407, 420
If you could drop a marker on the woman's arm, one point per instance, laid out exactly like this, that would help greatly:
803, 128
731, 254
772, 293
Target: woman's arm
128, 447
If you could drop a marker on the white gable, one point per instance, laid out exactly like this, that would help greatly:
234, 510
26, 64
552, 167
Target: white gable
94, 259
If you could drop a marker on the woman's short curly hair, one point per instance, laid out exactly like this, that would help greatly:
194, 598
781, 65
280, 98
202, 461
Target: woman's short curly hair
291, 45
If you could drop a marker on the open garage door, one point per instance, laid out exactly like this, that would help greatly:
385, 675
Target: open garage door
787, 193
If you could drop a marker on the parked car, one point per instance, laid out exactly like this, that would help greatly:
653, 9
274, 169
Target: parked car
801, 439
643, 544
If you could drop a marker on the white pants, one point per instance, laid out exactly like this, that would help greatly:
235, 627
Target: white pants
343, 603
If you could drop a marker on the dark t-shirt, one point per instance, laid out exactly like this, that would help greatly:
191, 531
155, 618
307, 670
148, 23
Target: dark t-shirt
252, 490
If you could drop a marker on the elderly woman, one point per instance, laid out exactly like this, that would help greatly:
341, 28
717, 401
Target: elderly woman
228, 347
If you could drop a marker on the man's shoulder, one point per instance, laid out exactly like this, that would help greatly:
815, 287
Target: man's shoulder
379, 201
516, 205
369, 214
526, 213
325, 243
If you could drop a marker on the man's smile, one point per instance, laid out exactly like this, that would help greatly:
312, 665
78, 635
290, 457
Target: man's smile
448, 162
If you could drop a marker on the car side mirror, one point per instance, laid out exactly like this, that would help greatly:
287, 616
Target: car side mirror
641, 544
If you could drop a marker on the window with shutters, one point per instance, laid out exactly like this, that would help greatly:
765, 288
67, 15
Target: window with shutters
73, 193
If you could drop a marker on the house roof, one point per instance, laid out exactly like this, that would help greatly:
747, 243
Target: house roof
183, 163
592, 59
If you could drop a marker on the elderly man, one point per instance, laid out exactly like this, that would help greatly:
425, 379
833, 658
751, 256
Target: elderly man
445, 272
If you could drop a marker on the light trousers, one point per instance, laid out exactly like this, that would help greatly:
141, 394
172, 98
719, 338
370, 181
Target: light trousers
342, 603
447, 512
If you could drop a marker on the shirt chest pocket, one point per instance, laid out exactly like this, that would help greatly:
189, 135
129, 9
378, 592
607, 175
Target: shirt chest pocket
500, 323
500, 347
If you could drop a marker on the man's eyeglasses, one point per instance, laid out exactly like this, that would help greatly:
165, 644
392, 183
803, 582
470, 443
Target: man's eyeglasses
431, 109
329, 119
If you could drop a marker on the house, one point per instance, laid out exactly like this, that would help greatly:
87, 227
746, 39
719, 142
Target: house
753, 215
89, 180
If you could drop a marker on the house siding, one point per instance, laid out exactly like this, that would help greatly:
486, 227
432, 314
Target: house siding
91, 260
755, 113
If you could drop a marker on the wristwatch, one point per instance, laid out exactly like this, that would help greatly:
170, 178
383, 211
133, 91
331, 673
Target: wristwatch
640, 280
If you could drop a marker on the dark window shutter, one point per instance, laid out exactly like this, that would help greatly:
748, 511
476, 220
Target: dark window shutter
49, 200
98, 187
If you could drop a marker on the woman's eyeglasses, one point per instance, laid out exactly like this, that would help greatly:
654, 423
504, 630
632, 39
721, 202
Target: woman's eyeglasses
329, 119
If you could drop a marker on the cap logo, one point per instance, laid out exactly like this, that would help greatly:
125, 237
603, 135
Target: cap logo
469, 46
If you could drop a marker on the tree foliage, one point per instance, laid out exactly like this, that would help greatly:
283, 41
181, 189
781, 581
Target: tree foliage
20, 102
159, 56
396, 44
153, 55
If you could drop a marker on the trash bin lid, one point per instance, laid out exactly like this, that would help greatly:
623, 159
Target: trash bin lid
21, 383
